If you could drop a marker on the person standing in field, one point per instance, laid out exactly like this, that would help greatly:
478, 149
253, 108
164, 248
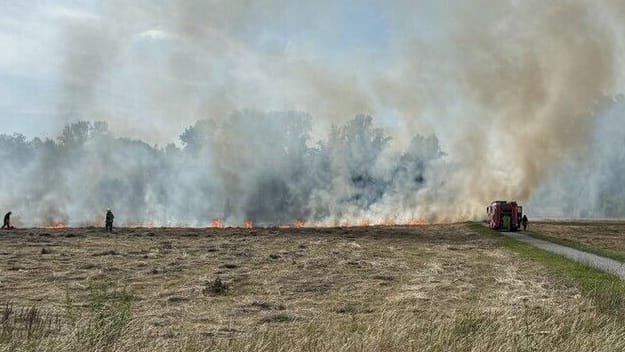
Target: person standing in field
109, 220
507, 221
7, 221
524, 222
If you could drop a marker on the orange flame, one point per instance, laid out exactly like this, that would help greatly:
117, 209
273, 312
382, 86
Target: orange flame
217, 224
417, 222
56, 226
248, 224
299, 224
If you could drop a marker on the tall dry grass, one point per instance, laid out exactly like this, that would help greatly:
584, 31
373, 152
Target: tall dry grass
581, 329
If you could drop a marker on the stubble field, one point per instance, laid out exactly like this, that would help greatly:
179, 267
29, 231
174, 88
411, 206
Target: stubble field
420, 288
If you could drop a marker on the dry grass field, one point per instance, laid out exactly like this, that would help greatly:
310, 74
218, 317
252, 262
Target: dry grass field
420, 288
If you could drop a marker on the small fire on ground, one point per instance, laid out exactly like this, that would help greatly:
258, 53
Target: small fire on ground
386, 223
217, 224
299, 224
249, 224
57, 226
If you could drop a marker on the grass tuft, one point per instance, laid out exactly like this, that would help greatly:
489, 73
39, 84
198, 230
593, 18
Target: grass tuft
26, 323
216, 288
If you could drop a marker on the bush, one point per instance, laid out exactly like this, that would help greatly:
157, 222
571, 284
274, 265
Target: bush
215, 287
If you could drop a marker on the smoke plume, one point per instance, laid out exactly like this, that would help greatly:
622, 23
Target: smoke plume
330, 112
259, 167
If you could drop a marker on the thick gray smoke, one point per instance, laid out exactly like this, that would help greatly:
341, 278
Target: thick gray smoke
259, 167
592, 188
520, 95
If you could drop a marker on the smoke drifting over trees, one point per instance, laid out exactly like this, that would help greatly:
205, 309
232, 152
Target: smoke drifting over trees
253, 166
266, 168
518, 99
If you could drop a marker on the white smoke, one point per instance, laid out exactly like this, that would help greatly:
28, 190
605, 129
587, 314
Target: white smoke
252, 166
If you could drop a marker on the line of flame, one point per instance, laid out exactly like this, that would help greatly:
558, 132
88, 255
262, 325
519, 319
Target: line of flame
219, 224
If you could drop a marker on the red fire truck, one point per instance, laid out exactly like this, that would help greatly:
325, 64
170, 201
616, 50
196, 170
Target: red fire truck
504, 216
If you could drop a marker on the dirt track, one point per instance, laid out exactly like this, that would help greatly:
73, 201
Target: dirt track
602, 235
593, 260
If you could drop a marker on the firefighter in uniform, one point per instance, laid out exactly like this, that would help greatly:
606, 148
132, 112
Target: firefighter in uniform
7, 221
524, 222
109, 220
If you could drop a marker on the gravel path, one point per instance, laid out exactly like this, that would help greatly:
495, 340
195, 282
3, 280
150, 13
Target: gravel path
604, 264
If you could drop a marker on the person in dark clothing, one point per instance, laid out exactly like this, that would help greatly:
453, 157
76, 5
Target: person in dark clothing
524, 222
109, 220
7, 221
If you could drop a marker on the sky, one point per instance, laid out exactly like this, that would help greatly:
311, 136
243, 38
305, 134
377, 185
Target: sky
135, 53
153, 68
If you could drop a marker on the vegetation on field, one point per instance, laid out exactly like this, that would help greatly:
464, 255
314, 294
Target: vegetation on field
606, 290
601, 238
427, 288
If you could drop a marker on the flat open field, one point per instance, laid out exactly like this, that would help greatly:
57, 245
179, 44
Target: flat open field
421, 288
608, 237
